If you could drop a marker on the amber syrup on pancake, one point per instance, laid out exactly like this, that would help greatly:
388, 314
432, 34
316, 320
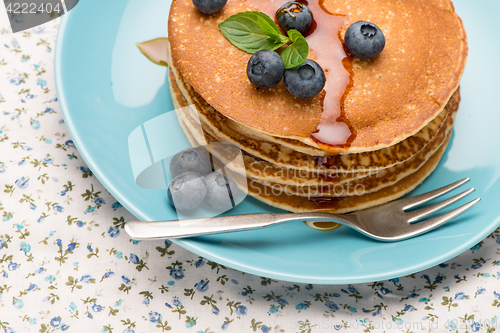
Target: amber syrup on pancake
334, 129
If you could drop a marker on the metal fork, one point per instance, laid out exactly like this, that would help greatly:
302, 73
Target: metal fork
387, 222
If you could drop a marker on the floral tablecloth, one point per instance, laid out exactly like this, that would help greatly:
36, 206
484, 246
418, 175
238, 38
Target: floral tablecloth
66, 263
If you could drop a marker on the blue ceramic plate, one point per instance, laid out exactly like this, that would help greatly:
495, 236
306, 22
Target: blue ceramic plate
107, 88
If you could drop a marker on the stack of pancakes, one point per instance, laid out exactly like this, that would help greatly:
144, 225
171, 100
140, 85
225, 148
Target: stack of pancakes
400, 105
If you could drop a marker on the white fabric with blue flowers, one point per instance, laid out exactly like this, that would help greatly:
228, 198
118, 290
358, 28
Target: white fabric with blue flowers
67, 265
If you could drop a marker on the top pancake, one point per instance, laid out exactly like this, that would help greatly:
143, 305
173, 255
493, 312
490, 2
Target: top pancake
392, 96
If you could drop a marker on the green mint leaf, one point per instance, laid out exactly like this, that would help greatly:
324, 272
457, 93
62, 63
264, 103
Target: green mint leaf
267, 25
252, 32
296, 53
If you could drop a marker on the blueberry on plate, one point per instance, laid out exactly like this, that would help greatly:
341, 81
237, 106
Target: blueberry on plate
191, 159
294, 15
305, 80
265, 69
220, 190
209, 6
364, 40
187, 191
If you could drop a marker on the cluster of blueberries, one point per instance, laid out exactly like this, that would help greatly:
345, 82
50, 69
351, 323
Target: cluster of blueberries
265, 68
195, 182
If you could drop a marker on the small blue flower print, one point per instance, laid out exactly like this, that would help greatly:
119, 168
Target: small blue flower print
460, 296
309, 286
331, 305
113, 232
176, 302
2, 168
190, 322
12, 266
50, 278
301, 306
335, 295
476, 247
89, 247
35, 124
282, 301
59, 208
424, 299
87, 279
22, 182
2, 243
16, 80
264, 329
439, 278
240, 310
407, 307
64, 327
128, 330
71, 247
40, 270
398, 321
96, 308
384, 290
352, 289
480, 291
31, 287
40, 219
201, 286
99, 201
84, 169
126, 280
116, 205
80, 224
119, 255
48, 160
134, 259
224, 325
108, 274
177, 273
476, 266
497, 295
475, 326
56, 321
199, 263
273, 309
215, 311
72, 306
48, 111
154, 317
18, 303
41, 82
234, 281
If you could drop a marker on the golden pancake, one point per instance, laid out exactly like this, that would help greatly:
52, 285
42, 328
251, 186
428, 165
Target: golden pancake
345, 204
392, 96
292, 183
224, 130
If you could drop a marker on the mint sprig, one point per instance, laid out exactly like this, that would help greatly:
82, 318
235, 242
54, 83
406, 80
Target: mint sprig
255, 31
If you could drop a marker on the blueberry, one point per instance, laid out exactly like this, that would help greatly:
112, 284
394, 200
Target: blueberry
209, 6
265, 69
191, 159
294, 15
305, 80
220, 190
187, 190
364, 40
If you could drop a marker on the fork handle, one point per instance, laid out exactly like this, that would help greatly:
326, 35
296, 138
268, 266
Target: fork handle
204, 226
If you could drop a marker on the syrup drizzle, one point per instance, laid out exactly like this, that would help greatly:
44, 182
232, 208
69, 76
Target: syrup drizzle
334, 130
